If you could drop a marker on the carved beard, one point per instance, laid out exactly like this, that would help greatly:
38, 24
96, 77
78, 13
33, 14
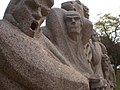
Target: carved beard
74, 30
25, 20
74, 33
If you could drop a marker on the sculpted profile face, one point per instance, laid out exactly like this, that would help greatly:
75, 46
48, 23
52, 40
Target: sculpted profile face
73, 23
105, 62
29, 14
73, 6
94, 36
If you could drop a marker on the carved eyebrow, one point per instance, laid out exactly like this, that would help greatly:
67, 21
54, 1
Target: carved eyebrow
77, 17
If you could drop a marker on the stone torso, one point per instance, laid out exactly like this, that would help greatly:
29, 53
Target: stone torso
29, 64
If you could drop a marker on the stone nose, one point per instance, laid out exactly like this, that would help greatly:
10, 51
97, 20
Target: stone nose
73, 21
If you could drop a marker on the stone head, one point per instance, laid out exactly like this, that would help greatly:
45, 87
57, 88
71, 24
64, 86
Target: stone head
94, 36
105, 61
73, 6
28, 14
86, 11
73, 22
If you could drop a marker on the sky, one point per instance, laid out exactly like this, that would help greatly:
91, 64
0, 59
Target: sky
95, 7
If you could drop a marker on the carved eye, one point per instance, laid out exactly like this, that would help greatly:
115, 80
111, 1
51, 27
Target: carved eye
77, 18
68, 19
74, 9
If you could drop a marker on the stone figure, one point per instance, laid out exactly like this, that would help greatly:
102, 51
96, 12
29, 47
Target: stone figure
98, 49
28, 62
65, 32
53, 57
91, 46
73, 25
27, 22
76, 6
97, 54
67, 37
74, 28
108, 72
73, 6
84, 13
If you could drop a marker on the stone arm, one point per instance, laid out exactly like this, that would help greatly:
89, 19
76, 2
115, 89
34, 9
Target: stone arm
112, 76
55, 51
103, 48
29, 63
94, 54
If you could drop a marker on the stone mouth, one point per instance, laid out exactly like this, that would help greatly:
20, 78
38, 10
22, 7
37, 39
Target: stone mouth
34, 25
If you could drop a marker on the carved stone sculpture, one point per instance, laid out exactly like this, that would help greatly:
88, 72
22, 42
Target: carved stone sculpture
67, 37
54, 57
28, 63
97, 55
73, 6
76, 6
108, 72
25, 17
95, 80
65, 32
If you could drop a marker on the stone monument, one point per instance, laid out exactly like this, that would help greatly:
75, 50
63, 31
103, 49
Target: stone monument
65, 32
108, 72
53, 57
27, 63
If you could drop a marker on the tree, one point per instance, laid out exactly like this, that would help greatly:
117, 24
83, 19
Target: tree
109, 31
109, 26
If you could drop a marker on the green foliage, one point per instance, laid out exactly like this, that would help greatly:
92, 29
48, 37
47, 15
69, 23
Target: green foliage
108, 27
118, 80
